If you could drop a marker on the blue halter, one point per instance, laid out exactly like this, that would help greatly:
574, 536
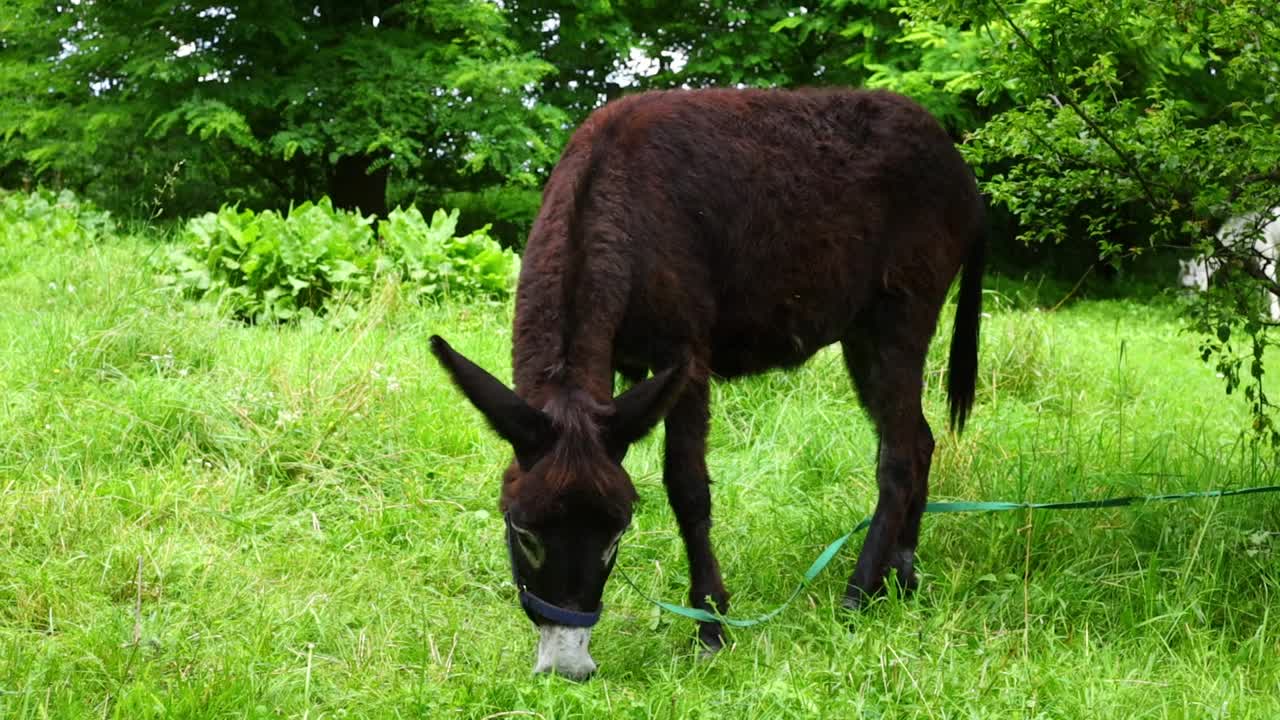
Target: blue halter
536, 606
556, 614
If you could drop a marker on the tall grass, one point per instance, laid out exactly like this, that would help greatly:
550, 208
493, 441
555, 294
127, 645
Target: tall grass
204, 519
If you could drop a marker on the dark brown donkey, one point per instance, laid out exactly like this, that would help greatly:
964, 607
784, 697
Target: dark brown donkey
721, 232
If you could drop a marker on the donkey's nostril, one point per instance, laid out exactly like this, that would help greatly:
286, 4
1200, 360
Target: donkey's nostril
563, 650
576, 673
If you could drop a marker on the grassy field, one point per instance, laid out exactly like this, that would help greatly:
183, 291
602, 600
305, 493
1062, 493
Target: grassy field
203, 519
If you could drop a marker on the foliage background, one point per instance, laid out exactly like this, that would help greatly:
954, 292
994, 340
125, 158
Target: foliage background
1111, 137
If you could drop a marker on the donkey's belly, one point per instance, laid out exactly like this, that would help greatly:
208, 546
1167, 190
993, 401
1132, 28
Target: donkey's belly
762, 327
749, 353
735, 350
746, 330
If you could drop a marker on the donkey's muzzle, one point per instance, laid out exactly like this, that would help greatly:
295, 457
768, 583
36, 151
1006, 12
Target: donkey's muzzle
563, 651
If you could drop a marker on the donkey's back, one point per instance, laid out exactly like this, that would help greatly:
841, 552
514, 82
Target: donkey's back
757, 226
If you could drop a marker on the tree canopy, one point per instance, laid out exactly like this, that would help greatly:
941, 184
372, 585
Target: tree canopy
271, 102
1135, 127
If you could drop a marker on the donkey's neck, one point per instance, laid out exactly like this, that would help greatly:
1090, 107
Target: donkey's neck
580, 378
563, 337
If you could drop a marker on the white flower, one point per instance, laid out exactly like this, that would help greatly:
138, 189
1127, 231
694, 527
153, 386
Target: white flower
287, 417
392, 383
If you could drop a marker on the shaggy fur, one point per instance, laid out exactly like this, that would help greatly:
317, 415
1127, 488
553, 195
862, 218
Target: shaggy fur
728, 232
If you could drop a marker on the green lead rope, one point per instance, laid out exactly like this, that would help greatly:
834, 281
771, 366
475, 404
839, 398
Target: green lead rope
833, 549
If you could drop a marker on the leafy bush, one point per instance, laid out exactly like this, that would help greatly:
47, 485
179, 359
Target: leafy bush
45, 219
273, 268
436, 261
51, 218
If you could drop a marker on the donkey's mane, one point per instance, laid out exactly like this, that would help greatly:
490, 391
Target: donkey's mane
575, 259
575, 281
579, 471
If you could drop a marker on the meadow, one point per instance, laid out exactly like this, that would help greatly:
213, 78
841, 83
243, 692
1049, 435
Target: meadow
203, 518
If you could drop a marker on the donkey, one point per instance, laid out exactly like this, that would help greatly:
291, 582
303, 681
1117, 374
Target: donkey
721, 232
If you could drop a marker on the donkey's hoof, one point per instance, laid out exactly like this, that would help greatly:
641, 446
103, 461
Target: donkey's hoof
909, 586
710, 640
905, 579
857, 599
904, 585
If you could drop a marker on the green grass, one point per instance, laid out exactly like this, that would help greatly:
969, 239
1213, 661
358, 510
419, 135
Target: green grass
204, 519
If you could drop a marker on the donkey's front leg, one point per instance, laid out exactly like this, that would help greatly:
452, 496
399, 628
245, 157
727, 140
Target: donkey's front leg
689, 492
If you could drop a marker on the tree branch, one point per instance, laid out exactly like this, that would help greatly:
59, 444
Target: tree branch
1272, 175
1248, 263
1083, 163
1069, 100
1255, 271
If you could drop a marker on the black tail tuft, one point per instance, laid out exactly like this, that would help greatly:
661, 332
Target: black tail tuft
962, 372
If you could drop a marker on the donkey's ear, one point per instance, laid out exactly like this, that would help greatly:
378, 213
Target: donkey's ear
637, 410
527, 429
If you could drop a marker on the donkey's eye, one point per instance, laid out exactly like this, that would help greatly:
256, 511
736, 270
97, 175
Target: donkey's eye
612, 550
531, 546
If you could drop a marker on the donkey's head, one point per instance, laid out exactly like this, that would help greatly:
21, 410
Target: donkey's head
566, 499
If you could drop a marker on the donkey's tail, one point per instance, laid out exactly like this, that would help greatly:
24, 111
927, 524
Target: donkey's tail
962, 371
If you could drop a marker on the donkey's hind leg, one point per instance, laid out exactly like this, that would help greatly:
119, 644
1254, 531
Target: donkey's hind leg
903, 556
684, 473
885, 356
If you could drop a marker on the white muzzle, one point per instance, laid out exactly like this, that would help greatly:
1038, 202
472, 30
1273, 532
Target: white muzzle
563, 651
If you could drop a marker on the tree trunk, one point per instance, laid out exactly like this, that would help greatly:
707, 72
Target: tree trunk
353, 187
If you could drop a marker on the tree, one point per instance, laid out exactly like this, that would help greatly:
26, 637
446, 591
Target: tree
880, 44
271, 101
1135, 126
674, 43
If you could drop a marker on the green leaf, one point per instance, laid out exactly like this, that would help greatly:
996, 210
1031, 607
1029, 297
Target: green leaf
787, 23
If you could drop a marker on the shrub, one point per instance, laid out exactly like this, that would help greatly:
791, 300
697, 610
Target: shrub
273, 268
437, 262
46, 217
